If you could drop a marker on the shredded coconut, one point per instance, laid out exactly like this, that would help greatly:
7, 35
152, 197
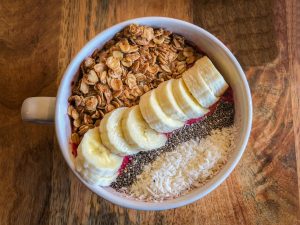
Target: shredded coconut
190, 165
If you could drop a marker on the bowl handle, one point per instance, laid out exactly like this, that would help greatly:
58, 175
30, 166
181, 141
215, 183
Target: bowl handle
38, 110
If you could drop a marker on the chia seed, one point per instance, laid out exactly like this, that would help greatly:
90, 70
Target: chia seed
223, 116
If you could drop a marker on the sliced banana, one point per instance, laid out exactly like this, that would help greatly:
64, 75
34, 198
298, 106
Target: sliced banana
96, 179
154, 115
94, 156
138, 133
197, 86
186, 101
112, 134
211, 76
168, 103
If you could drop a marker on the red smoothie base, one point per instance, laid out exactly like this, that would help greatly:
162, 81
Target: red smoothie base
127, 159
74, 149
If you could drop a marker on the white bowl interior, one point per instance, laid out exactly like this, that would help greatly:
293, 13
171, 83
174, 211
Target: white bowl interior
225, 62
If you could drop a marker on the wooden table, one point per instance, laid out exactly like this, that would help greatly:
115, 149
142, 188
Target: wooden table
38, 40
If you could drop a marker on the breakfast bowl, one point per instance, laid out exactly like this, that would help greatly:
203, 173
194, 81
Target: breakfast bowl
45, 109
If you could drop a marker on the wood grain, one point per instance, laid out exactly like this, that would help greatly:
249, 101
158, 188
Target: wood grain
28, 67
37, 42
293, 21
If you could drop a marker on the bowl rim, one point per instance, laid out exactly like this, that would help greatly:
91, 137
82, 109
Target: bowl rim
155, 205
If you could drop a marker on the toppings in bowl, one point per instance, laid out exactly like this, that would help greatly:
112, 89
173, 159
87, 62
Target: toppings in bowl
141, 92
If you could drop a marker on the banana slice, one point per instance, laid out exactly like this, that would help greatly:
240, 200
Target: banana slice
96, 179
168, 103
95, 157
154, 115
112, 135
138, 133
186, 101
197, 86
99, 180
211, 76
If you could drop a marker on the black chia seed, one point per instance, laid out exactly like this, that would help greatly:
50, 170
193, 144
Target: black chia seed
223, 116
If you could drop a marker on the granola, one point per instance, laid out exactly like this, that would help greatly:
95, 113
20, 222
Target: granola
135, 61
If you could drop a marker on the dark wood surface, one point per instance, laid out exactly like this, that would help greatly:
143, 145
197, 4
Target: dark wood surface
39, 38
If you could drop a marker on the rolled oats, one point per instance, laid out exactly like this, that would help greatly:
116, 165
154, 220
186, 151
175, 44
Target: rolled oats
103, 76
133, 48
74, 114
87, 119
135, 30
91, 103
108, 95
77, 123
109, 107
136, 91
148, 33
140, 77
108, 80
117, 55
119, 101
116, 84
162, 59
143, 67
166, 68
124, 46
83, 129
142, 41
114, 73
116, 94
115, 104
135, 61
99, 67
70, 108
135, 66
96, 115
146, 88
181, 67
128, 95
131, 80
84, 88
76, 99
89, 62
159, 40
127, 62
90, 78
133, 56
188, 51
113, 63
153, 69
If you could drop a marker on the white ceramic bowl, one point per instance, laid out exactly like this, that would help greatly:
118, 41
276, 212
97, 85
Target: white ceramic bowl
217, 52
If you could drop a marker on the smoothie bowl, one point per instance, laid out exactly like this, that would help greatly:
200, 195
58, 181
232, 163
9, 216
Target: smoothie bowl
153, 113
